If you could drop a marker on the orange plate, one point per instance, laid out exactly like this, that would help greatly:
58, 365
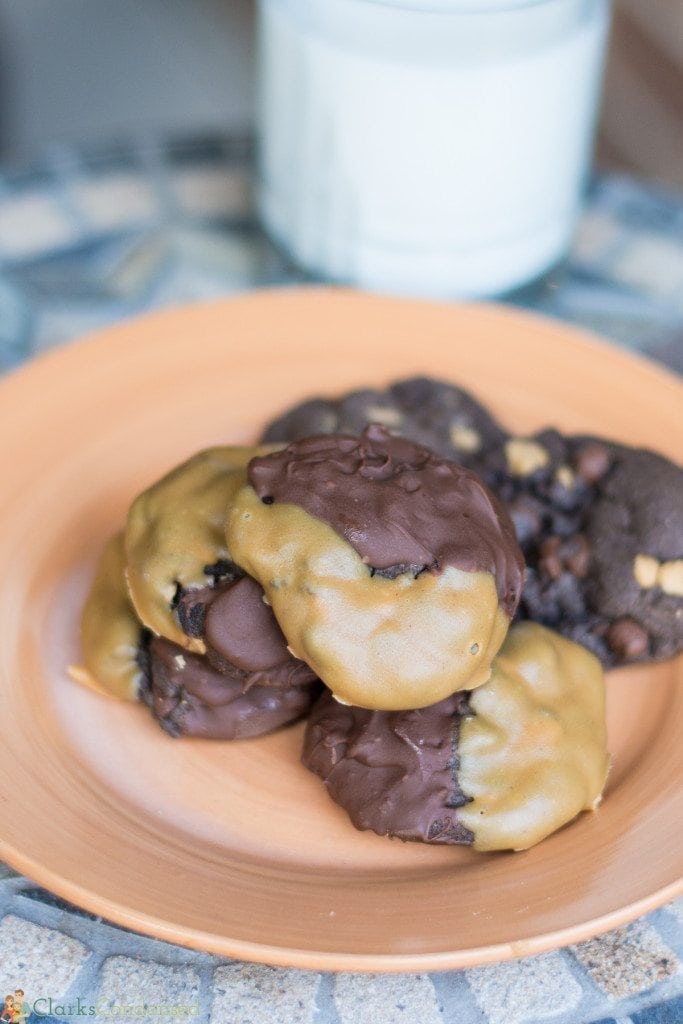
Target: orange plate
235, 848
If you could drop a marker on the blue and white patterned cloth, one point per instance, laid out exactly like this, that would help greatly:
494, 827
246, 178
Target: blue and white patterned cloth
88, 238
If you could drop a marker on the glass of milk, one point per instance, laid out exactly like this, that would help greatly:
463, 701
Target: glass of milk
427, 147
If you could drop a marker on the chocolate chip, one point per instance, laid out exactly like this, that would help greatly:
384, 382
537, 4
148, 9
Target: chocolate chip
550, 561
177, 594
627, 638
191, 609
554, 602
570, 597
449, 830
222, 571
563, 525
393, 571
575, 554
526, 518
267, 500
591, 461
143, 661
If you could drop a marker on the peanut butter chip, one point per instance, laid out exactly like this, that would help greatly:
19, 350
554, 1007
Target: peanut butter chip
565, 477
533, 755
645, 570
175, 528
670, 577
385, 415
465, 439
525, 457
386, 644
110, 630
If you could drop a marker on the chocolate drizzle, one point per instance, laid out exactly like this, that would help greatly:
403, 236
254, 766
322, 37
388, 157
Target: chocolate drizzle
397, 504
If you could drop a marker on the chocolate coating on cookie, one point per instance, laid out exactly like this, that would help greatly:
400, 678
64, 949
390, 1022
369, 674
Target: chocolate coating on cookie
242, 636
242, 628
394, 772
498, 768
430, 412
189, 697
396, 504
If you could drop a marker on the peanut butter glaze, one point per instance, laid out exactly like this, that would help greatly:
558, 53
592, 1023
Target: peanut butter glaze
175, 531
534, 753
397, 504
110, 630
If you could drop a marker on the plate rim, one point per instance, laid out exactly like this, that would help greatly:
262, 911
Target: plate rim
333, 962
288, 957
42, 361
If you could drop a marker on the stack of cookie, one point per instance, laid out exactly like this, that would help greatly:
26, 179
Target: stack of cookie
395, 574
172, 621
246, 580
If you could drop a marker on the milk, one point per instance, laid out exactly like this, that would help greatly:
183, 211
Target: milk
411, 148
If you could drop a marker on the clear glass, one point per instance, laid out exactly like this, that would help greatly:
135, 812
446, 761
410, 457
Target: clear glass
437, 148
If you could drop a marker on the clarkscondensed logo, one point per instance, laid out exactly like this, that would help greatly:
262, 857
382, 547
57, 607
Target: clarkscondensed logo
17, 1010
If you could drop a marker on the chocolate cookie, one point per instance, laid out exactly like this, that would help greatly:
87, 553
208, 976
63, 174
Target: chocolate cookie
500, 767
635, 536
430, 412
601, 525
392, 572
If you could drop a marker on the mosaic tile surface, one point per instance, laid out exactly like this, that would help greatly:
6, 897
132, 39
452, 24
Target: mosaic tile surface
88, 238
